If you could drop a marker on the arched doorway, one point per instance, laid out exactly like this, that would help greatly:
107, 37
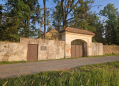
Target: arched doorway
78, 48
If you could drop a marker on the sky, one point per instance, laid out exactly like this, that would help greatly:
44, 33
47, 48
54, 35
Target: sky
50, 4
103, 3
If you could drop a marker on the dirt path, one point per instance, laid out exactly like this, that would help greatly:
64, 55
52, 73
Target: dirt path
14, 70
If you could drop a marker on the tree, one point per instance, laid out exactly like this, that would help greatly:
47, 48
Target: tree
117, 30
32, 16
111, 24
57, 15
20, 18
74, 7
99, 31
0, 13
44, 2
46, 17
1, 22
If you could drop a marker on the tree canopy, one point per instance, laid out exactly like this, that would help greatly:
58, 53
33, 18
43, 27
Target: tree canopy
26, 18
111, 24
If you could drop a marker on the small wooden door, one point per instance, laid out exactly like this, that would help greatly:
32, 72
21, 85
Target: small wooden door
76, 51
32, 52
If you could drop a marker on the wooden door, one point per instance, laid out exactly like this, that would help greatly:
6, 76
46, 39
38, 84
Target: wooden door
73, 50
76, 51
32, 52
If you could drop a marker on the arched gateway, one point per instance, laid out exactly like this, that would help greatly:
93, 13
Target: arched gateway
78, 43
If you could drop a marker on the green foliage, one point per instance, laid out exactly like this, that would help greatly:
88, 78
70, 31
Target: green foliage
19, 19
105, 74
77, 10
81, 16
58, 18
1, 8
112, 24
6, 62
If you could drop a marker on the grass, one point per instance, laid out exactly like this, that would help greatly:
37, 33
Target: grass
106, 74
100, 55
6, 62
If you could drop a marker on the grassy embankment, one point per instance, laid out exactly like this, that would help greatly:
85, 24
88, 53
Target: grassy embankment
106, 74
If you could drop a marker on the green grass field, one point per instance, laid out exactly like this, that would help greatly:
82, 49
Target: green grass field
106, 74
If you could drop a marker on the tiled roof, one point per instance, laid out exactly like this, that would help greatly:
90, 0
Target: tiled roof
74, 30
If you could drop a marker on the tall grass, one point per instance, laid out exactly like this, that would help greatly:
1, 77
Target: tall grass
92, 75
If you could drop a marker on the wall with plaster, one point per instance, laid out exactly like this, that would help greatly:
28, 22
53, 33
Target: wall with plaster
97, 49
54, 49
10, 51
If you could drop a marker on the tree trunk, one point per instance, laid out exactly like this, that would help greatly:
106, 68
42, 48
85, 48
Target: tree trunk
64, 24
28, 26
44, 20
63, 14
58, 26
25, 29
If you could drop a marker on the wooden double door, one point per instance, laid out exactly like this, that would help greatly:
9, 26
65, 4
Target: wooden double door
77, 51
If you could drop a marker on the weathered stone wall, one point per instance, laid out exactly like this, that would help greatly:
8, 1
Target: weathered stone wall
97, 49
10, 51
110, 49
54, 49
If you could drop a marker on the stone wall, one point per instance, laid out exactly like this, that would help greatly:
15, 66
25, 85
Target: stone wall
10, 51
110, 49
54, 49
97, 49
